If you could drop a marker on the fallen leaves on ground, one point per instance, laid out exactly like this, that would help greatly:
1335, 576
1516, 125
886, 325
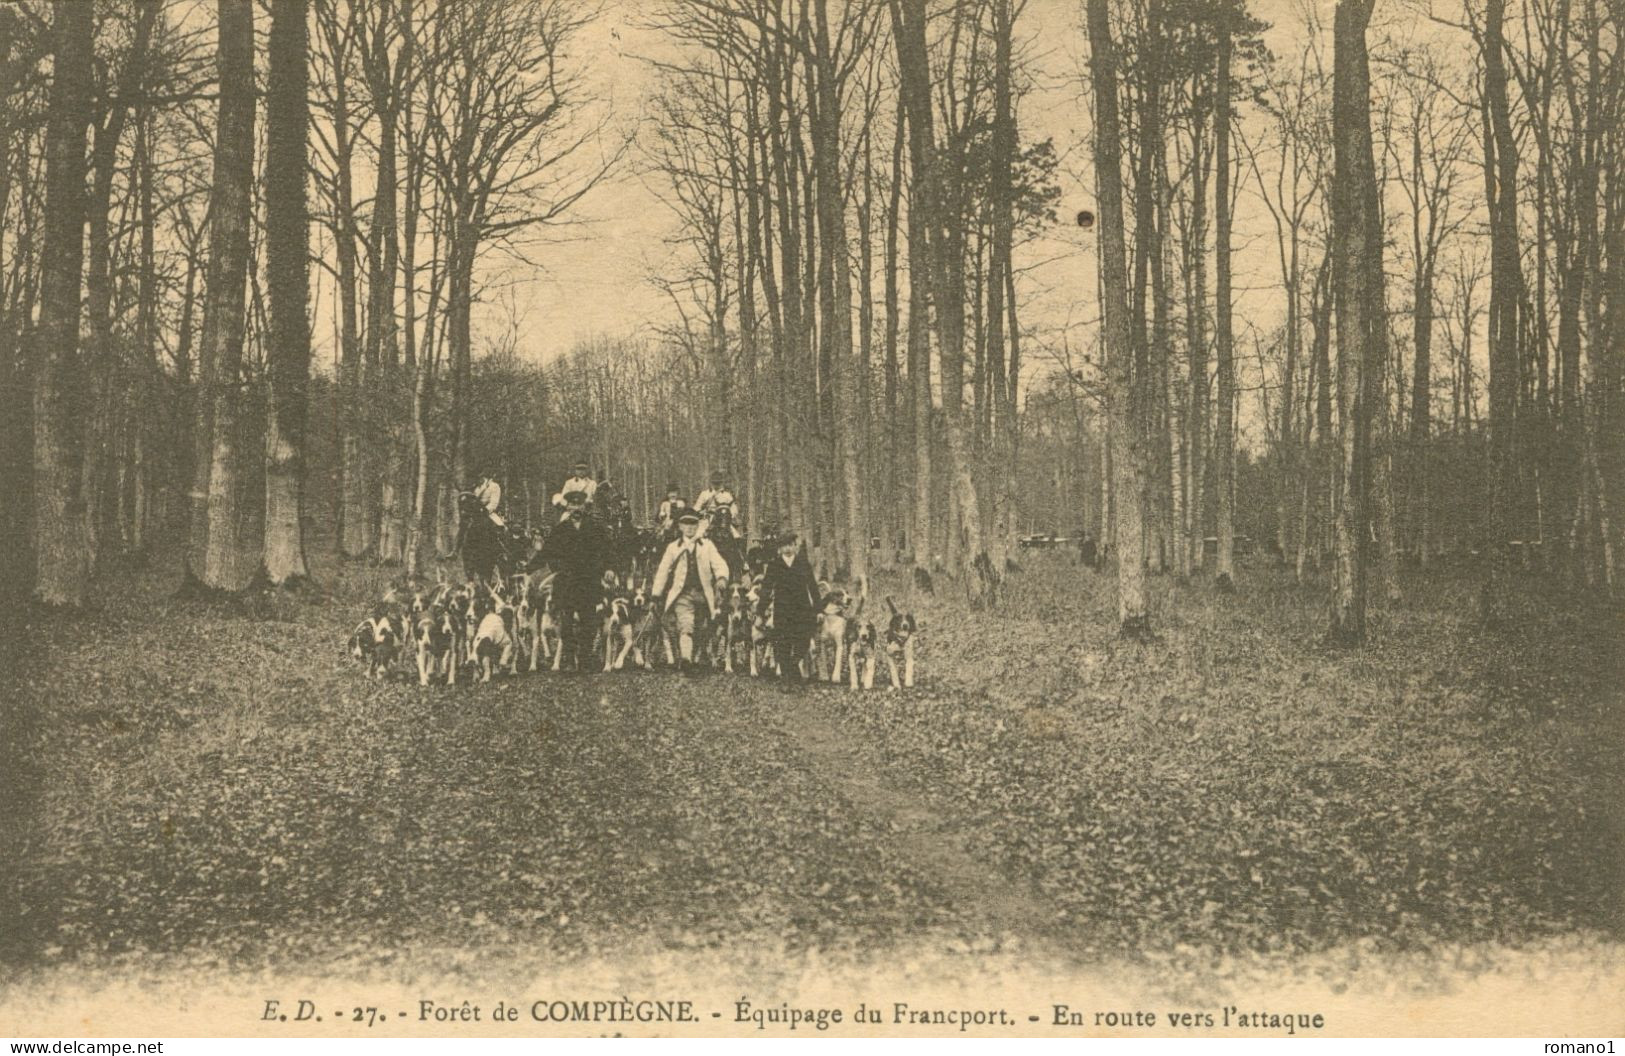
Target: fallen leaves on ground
225, 782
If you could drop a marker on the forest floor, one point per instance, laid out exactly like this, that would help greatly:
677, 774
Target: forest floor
222, 787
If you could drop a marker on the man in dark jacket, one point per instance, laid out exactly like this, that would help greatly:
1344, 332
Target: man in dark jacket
577, 552
792, 593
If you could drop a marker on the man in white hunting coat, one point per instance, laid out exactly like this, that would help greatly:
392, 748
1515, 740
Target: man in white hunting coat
689, 581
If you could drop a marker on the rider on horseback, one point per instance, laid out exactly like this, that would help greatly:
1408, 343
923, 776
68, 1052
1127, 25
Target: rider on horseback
489, 494
719, 509
580, 481
672, 508
483, 537
719, 522
709, 497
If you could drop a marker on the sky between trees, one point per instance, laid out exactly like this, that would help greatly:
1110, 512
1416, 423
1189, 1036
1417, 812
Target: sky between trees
595, 272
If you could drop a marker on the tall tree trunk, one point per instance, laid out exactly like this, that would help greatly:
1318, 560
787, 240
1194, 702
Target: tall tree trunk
945, 267
1196, 338
1286, 437
287, 249
784, 128
1145, 246
896, 513
1359, 315
1592, 411
919, 273
1501, 176
1160, 393
355, 528
1174, 413
836, 297
1013, 380
1001, 395
226, 565
746, 222
1382, 428
150, 374
865, 355
460, 304
1132, 608
1325, 445
198, 380
1309, 463
60, 547
104, 367
923, 546
1225, 441
761, 243
1421, 367
417, 365
16, 417
1580, 276
383, 343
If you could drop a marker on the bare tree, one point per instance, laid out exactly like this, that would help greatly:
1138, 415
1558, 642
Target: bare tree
60, 547
338, 31
1225, 442
832, 60
222, 564
507, 130
1004, 373
1133, 611
1439, 134
287, 248
115, 103
382, 42
1361, 318
1292, 190
1506, 288
944, 267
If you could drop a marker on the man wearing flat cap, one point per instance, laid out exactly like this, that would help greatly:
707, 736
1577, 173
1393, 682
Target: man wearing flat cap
689, 581
577, 552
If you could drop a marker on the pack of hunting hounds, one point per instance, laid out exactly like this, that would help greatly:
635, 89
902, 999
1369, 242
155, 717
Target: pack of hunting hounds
472, 632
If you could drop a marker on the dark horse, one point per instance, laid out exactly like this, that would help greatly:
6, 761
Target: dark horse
728, 545
621, 540
647, 546
487, 551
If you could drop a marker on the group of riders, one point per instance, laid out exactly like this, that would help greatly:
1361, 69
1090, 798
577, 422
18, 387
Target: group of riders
685, 567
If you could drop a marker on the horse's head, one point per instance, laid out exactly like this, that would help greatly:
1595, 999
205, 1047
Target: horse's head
722, 517
468, 505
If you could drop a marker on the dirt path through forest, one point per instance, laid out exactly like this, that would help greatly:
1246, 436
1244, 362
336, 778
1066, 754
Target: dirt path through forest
936, 842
